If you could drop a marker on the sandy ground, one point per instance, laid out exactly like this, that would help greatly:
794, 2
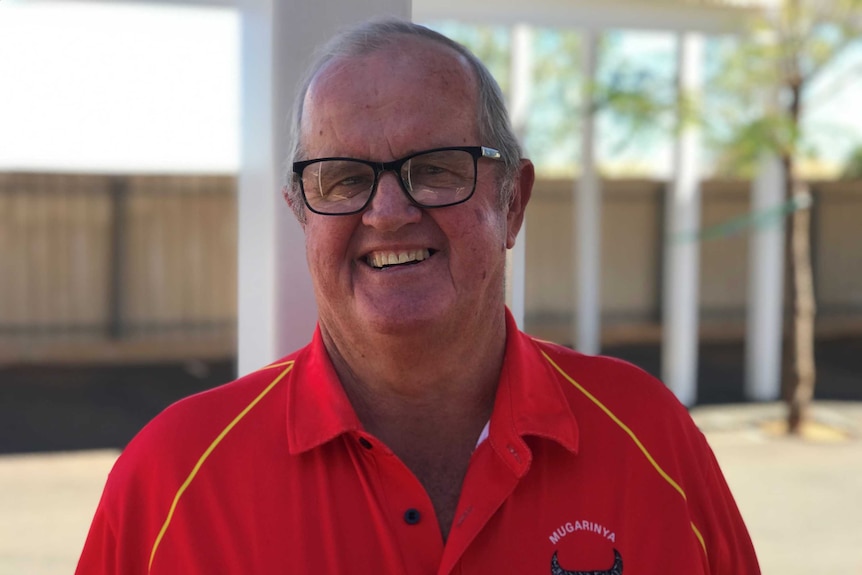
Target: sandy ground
46, 504
801, 498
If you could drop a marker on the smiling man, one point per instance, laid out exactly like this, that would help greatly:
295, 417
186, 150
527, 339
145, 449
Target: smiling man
419, 432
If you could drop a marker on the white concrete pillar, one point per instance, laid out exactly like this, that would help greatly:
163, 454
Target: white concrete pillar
520, 80
765, 288
682, 257
276, 305
588, 214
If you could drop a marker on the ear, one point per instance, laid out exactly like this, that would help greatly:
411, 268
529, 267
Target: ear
285, 193
520, 196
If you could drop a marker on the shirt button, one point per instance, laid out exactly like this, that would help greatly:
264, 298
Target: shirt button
412, 516
365, 443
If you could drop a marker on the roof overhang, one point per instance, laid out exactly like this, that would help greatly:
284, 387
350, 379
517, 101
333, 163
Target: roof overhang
707, 16
657, 15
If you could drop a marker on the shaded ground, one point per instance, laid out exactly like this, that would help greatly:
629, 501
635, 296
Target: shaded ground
721, 368
72, 408
53, 408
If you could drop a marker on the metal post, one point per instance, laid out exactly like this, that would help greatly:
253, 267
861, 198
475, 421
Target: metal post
682, 257
588, 214
119, 191
519, 105
765, 288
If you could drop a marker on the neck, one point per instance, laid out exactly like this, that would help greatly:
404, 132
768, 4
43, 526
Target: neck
405, 385
427, 397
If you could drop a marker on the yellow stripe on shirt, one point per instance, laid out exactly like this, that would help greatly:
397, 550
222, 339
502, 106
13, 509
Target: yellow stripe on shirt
632, 436
206, 454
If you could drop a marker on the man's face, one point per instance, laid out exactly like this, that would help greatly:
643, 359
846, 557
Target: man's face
381, 107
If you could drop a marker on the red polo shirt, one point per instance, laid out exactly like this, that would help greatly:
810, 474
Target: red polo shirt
590, 465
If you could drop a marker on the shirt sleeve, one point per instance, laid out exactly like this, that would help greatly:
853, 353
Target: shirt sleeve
728, 545
99, 554
122, 531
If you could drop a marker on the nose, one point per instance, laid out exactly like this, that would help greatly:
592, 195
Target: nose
390, 208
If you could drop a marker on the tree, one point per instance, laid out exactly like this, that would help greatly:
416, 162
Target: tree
790, 48
637, 94
853, 165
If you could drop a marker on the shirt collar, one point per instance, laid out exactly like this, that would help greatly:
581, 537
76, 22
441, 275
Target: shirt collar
529, 402
318, 409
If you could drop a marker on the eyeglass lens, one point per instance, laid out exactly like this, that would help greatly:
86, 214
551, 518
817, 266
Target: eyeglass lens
432, 179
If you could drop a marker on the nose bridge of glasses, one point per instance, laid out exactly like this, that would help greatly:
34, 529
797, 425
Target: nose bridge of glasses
390, 206
378, 194
395, 167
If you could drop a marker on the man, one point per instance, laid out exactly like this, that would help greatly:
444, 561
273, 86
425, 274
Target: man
420, 431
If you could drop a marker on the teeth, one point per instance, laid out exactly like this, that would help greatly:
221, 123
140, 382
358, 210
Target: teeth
383, 259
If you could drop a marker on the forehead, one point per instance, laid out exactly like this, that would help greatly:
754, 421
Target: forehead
415, 94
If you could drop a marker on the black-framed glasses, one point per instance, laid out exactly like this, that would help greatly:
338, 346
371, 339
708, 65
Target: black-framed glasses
431, 179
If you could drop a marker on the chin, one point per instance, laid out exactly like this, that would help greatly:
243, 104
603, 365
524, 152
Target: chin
404, 320
401, 325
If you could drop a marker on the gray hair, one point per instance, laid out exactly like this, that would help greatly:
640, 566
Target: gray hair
495, 129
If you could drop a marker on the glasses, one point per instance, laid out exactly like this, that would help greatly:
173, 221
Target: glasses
431, 179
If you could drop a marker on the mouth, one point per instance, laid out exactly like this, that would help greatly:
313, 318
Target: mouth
389, 259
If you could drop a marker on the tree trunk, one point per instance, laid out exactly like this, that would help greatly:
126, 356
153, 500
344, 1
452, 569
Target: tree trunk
802, 373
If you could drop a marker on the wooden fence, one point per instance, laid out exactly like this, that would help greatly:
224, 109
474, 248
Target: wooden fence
145, 267
116, 260
632, 243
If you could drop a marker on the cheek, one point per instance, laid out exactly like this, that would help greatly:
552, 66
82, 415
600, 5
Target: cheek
313, 245
490, 223
480, 215
326, 248
483, 239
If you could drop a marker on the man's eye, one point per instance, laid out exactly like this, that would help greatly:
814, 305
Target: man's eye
429, 169
347, 187
432, 169
351, 181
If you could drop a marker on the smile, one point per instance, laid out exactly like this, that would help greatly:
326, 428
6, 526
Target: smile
381, 260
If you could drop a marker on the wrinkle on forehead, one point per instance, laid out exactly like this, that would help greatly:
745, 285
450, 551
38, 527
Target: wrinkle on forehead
340, 92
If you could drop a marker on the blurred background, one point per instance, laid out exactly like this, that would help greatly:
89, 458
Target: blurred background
120, 160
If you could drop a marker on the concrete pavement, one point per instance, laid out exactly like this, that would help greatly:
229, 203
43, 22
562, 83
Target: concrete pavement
46, 504
801, 498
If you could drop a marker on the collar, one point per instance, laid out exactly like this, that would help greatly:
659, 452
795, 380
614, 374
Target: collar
529, 402
318, 409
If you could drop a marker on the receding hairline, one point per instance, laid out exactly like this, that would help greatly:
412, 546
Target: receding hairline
402, 44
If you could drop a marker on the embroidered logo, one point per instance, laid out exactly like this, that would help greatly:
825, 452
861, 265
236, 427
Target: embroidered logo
616, 569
